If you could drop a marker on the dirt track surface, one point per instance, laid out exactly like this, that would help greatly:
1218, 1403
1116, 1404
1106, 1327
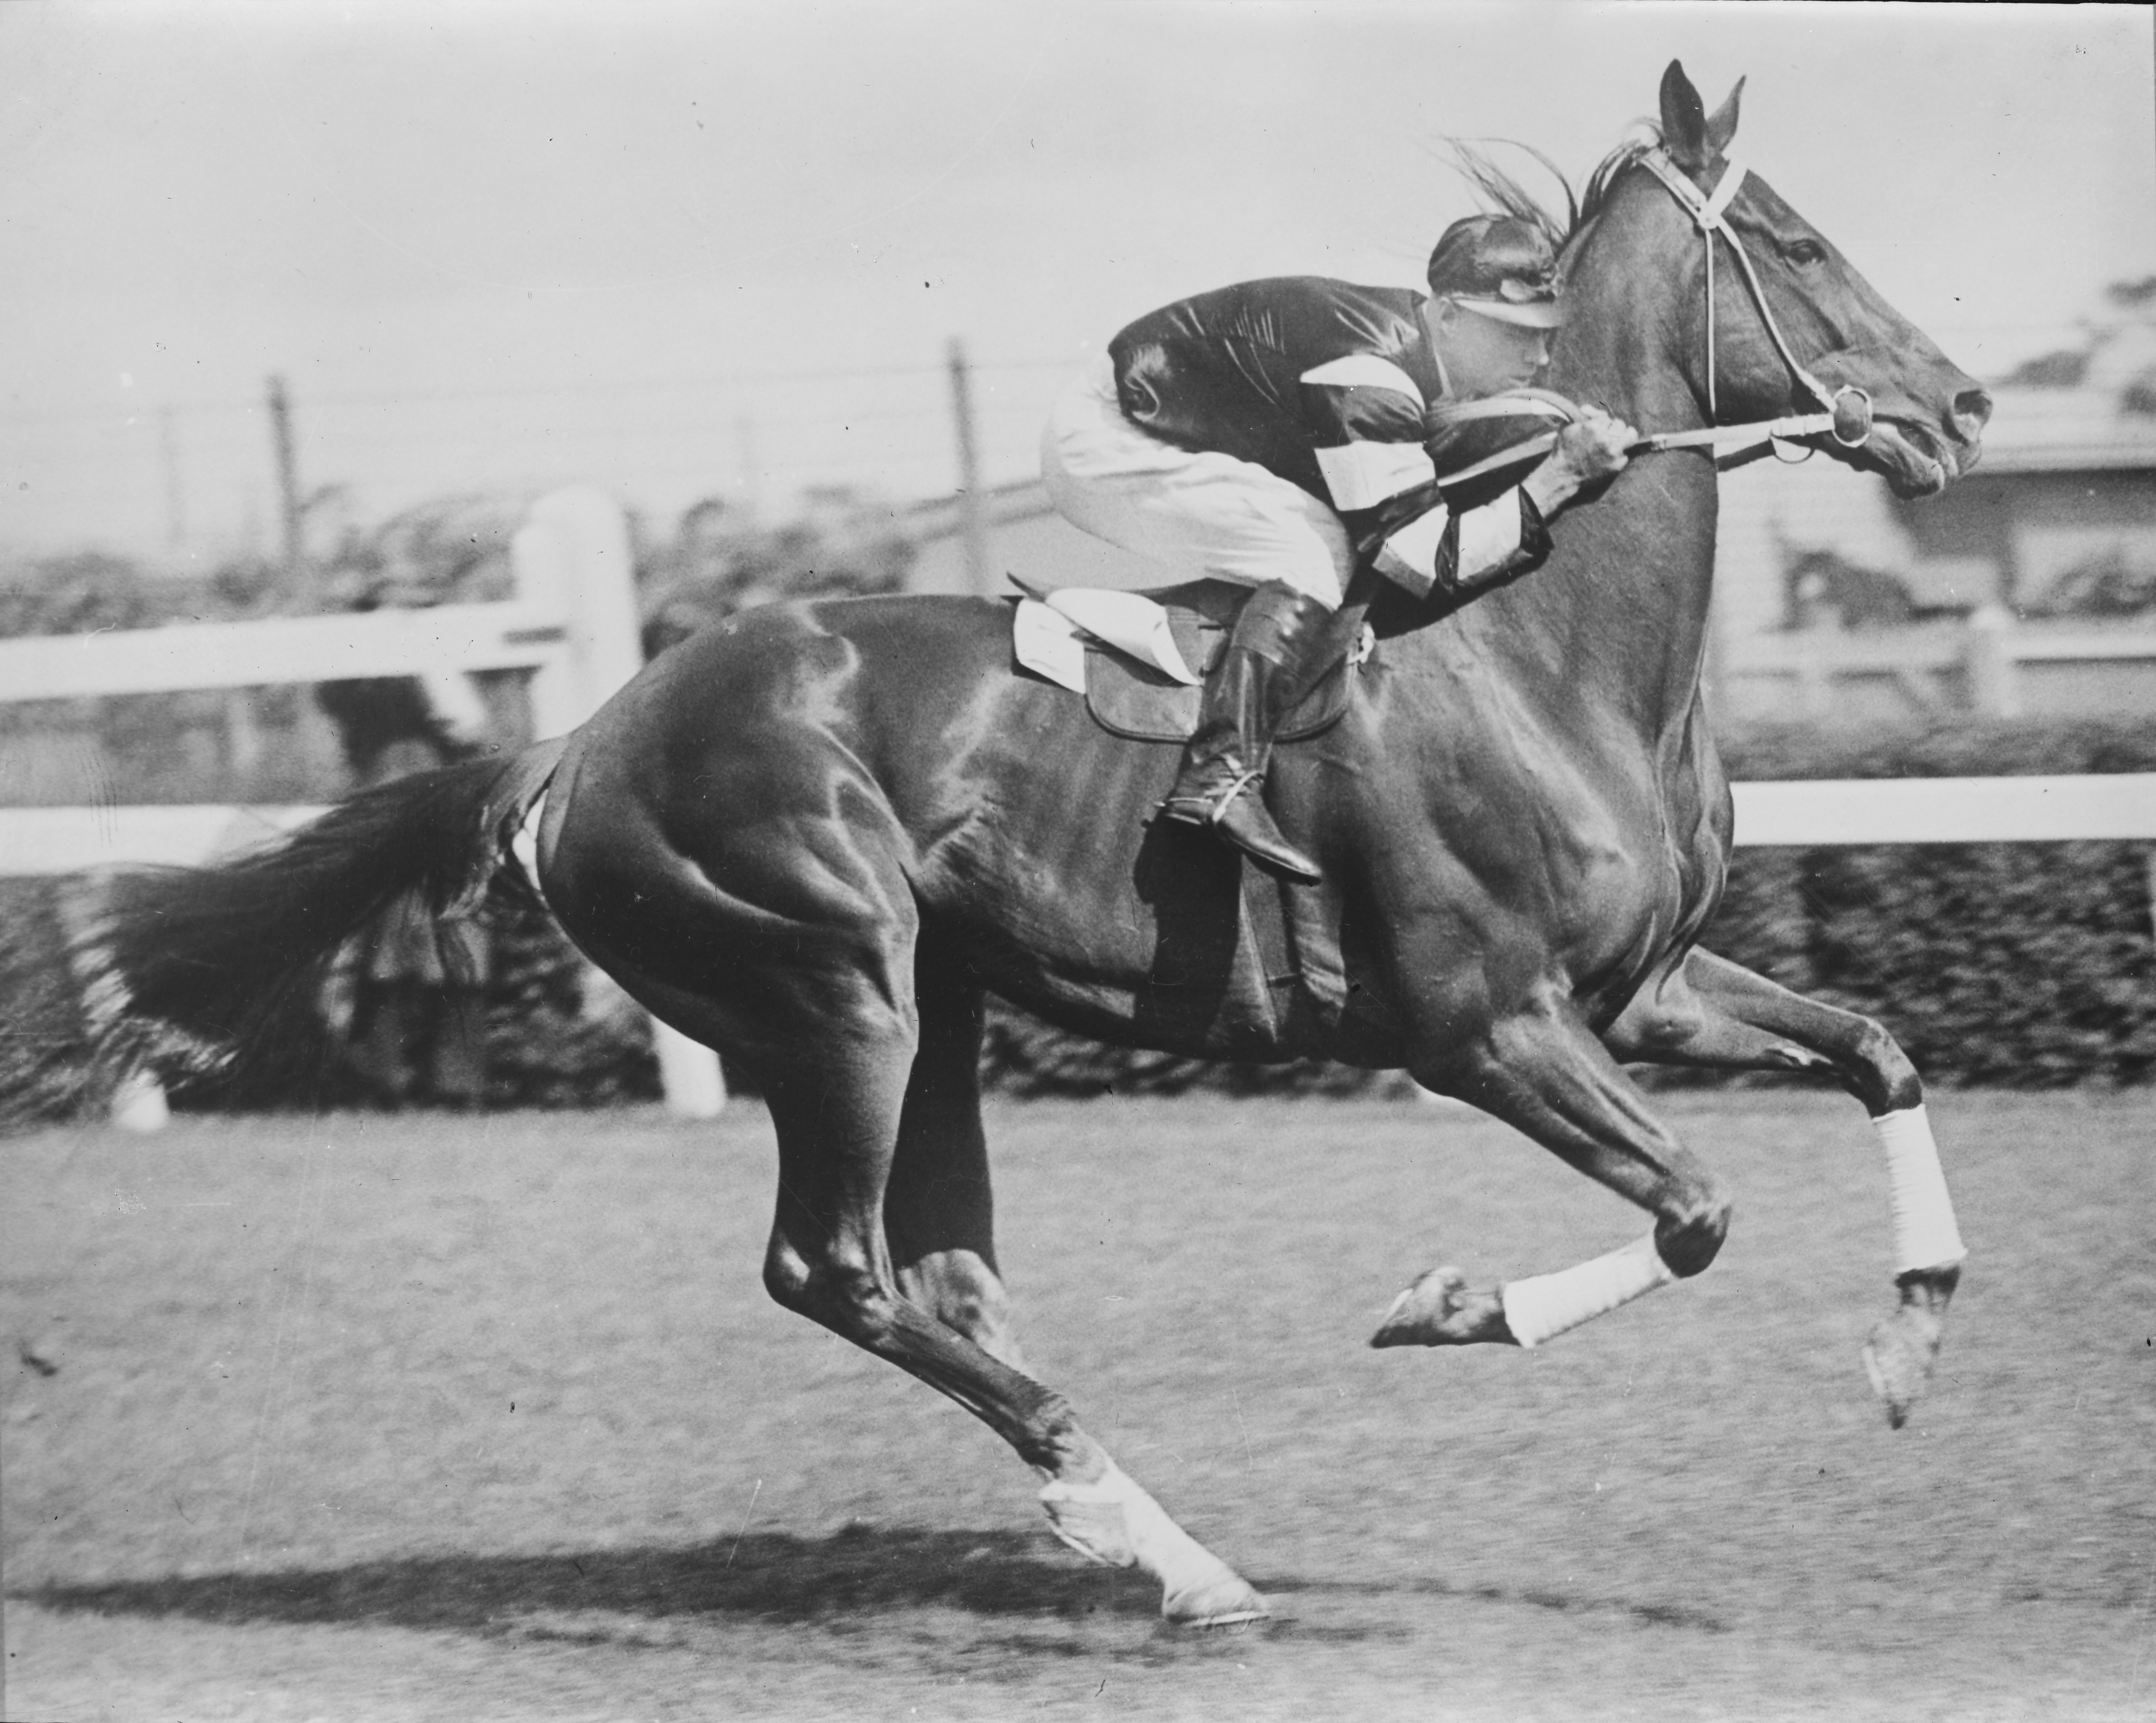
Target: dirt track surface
391, 1419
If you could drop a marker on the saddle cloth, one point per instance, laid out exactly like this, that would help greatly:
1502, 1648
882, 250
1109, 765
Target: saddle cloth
1140, 658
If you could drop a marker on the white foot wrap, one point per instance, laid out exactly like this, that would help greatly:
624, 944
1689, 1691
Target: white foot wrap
1545, 1306
1115, 1522
1925, 1235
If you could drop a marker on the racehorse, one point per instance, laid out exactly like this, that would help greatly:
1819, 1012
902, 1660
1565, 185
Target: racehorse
815, 837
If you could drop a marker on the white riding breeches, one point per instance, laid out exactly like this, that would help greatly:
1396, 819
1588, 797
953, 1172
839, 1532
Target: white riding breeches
1197, 513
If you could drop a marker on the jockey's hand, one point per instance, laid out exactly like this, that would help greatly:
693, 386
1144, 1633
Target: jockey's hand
1595, 443
1589, 449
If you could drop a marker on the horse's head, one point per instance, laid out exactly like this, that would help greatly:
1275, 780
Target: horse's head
1788, 311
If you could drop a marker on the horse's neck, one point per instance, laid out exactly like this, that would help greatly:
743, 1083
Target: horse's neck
1626, 591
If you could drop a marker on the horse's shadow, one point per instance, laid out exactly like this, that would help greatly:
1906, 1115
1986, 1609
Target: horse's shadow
771, 1577
776, 1578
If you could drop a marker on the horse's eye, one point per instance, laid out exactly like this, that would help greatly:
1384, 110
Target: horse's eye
1805, 251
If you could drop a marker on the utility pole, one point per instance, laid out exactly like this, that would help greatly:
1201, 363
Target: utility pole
745, 442
288, 479
973, 521
168, 445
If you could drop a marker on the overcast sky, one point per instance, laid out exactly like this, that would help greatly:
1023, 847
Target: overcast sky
720, 250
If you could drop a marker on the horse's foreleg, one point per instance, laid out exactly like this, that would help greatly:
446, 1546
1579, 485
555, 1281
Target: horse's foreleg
1546, 1074
1712, 1013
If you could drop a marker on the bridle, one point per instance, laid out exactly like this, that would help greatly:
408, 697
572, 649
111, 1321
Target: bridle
1709, 213
1848, 417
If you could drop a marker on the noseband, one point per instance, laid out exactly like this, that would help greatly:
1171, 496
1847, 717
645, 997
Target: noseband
1709, 214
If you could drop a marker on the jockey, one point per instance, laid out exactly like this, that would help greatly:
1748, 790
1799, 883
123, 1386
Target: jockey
1279, 433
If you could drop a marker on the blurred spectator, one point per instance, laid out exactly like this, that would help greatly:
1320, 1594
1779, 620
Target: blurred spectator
408, 995
1824, 589
719, 561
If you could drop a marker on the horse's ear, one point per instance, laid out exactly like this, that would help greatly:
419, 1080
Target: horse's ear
1684, 120
1721, 124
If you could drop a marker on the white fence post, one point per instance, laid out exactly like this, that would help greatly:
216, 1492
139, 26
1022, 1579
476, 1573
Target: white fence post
139, 1103
1814, 678
543, 563
1994, 687
572, 556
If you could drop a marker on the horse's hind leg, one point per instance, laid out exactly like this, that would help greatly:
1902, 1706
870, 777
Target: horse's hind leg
939, 1211
764, 907
939, 1221
1712, 1013
847, 1111
1545, 1074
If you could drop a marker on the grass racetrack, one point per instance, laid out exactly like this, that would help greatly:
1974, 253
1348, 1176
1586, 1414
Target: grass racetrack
383, 1419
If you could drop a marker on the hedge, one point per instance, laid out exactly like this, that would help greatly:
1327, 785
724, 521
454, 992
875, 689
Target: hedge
2024, 964
2021, 965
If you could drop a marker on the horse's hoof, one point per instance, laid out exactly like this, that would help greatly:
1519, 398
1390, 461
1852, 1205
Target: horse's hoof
1218, 1602
1438, 1310
1899, 1357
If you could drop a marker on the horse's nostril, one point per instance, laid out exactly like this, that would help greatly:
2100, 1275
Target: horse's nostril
1972, 411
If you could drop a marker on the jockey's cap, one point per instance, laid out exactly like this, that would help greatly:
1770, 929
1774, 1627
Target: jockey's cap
1501, 266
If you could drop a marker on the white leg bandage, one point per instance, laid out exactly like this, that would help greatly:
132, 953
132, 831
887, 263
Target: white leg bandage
1115, 1522
1925, 1235
1545, 1306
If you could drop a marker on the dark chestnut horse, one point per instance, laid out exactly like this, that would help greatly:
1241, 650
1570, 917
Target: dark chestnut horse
816, 836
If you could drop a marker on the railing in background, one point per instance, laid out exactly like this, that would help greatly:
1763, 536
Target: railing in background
1816, 814
1808, 814
1983, 665
573, 623
1796, 814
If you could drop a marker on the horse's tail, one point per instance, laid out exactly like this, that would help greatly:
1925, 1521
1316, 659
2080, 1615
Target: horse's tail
184, 964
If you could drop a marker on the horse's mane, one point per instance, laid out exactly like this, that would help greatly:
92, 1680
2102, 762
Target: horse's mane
1503, 191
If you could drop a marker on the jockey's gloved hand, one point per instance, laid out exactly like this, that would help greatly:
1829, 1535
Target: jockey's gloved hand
1594, 447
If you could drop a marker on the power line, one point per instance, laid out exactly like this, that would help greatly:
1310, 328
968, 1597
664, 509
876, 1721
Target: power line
730, 380
144, 418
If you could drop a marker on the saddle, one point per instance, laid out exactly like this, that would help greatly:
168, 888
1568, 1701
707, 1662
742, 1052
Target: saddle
1128, 697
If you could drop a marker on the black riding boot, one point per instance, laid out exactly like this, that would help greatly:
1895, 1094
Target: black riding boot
1283, 643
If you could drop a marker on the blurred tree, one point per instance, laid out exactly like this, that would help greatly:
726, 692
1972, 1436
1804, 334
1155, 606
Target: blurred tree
2116, 356
2062, 369
247, 586
447, 550
79, 591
